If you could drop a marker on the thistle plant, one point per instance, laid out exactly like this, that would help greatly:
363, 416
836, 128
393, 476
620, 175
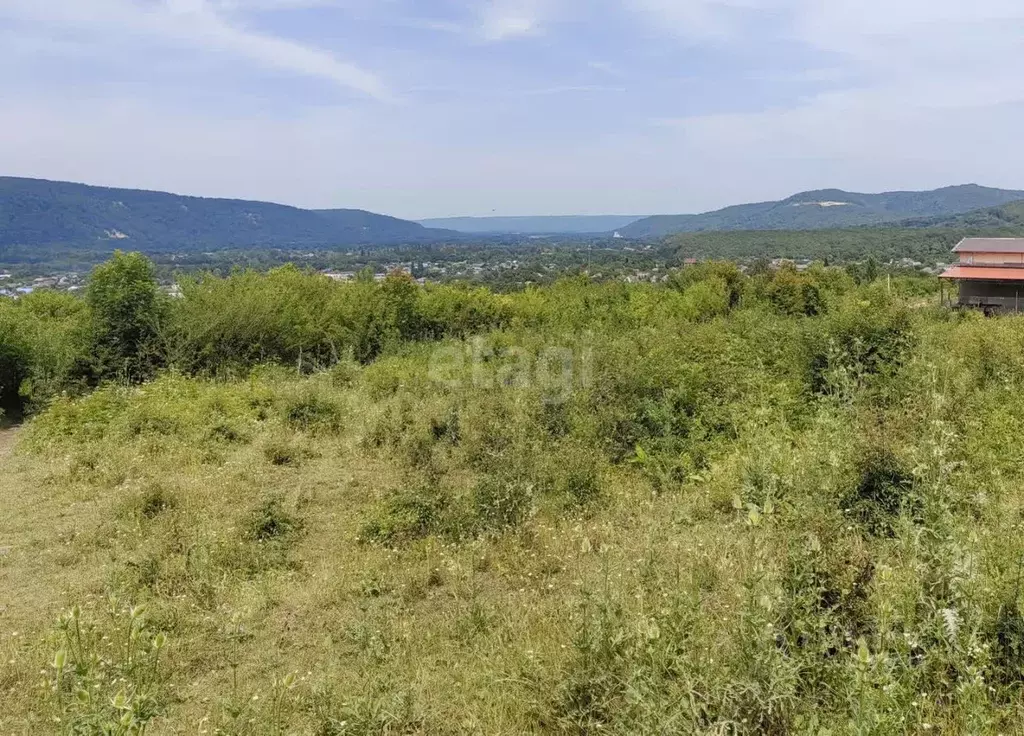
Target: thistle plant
107, 679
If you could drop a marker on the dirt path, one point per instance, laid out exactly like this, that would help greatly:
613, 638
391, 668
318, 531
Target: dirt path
7, 439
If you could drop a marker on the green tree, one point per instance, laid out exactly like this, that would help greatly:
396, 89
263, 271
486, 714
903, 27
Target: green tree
400, 302
12, 361
127, 310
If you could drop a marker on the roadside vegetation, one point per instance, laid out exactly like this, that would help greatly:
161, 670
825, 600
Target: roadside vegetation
785, 502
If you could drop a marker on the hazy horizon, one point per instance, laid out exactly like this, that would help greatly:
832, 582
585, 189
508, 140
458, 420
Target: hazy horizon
474, 108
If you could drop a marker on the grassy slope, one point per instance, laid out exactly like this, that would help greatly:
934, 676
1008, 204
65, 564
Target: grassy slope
745, 597
437, 626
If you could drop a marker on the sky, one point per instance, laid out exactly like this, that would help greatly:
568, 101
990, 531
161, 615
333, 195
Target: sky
429, 108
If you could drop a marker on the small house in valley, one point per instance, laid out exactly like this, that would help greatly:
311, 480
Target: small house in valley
990, 273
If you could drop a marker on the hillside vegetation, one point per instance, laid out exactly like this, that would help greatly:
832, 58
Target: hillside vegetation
771, 504
929, 245
829, 208
36, 213
1009, 216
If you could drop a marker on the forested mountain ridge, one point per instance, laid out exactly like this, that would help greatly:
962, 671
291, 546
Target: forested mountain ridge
1009, 216
35, 212
830, 208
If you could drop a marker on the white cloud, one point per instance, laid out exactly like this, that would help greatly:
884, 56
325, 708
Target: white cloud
605, 68
500, 20
197, 24
858, 140
924, 55
868, 94
912, 86
570, 89
858, 28
274, 5
689, 19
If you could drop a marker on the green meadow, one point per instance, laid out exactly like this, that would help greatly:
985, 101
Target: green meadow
772, 503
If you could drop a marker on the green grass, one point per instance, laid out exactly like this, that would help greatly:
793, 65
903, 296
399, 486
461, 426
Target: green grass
740, 520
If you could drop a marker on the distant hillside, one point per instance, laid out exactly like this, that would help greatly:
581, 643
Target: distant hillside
36, 213
829, 208
568, 224
1008, 216
835, 245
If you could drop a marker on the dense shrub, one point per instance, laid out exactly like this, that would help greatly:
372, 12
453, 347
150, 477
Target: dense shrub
411, 515
306, 320
127, 312
286, 316
500, 503
723, 271
13, 362
862, 341
452, 311
794, 294
883, 493
271, 522
44, 349
314, 413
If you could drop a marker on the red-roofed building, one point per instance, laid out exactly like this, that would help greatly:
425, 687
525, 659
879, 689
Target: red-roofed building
990, 273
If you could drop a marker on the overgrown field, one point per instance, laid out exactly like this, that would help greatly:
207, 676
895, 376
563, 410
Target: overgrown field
726, 505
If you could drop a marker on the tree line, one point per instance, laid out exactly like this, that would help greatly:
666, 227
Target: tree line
127, 328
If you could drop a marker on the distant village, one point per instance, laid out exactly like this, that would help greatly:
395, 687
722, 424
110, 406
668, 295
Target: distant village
426, 271
13, 286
